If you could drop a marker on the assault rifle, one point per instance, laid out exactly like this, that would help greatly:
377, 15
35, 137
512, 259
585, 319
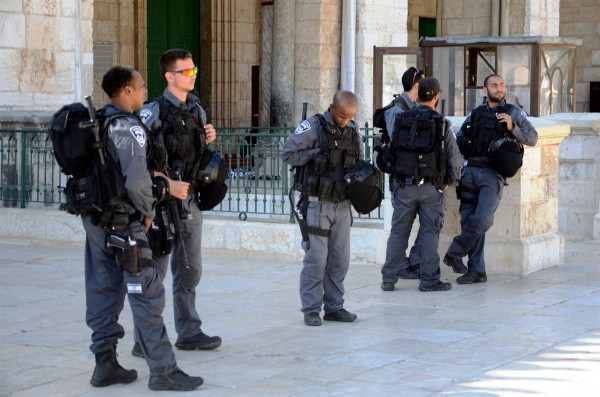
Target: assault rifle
441, 160
176, 212
111, 195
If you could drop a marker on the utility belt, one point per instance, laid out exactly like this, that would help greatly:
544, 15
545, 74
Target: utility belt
324, 200
411, 180
478, 163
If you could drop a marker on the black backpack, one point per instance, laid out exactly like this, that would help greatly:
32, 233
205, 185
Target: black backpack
73, 146
77, 152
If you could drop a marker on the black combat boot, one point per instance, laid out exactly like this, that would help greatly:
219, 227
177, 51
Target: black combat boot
108, 371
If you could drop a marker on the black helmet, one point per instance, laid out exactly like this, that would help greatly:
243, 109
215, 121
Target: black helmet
507, 155
211, 180
362, 187
212, 168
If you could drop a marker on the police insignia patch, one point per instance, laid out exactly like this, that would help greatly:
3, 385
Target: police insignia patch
303, 127
523, 113
139, 134
145, 114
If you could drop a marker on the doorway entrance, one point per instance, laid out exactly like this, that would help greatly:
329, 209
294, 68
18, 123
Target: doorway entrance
171, 24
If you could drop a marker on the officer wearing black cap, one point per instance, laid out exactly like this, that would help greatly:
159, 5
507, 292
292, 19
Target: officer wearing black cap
407, 100
482, 181
426, 161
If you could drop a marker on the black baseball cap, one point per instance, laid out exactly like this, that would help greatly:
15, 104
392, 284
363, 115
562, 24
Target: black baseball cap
428, 88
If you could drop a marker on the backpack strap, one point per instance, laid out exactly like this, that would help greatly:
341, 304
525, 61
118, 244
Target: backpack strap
399, 101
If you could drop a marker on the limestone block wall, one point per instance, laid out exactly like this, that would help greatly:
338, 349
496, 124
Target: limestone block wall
115, 30
579, 172
465, 18
580, 18
416, 9
542, 18
45, 53
373, 30
317, 55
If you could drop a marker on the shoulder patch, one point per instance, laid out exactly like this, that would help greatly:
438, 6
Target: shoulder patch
303, 127
139, 134
523, 113
145, 114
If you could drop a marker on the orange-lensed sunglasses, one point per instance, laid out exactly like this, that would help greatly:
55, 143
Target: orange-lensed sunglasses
187, 72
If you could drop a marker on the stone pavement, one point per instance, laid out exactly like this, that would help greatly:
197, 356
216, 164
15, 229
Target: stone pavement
536, 335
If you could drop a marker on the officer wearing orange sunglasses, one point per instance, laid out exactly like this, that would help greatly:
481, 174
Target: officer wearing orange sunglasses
179, 121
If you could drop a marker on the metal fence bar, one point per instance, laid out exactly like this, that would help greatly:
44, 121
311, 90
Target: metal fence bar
258, 179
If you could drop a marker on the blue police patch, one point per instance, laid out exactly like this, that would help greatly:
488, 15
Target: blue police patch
303, 127
523, 113
139, 134
145, 114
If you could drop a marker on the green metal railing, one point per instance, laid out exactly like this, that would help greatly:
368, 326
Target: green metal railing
258, 179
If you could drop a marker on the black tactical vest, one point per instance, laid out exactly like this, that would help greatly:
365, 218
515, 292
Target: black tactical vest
323, 177
482, 129
183, 136
416, 148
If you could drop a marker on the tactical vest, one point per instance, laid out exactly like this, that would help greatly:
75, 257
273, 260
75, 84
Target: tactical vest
323, 177
184, 138
482, 129
417, 150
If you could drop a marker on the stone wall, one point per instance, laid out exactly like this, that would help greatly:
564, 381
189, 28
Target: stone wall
317, 56
373, 30
114, 34
45, 53
579, 172
580, 18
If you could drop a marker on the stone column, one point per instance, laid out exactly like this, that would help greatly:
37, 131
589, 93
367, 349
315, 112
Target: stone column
282, 93
266, 56
525, 236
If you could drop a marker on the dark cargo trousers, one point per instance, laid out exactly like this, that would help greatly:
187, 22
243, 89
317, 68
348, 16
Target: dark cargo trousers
106, 285
408, 202
327, 259
476, 214
185, 280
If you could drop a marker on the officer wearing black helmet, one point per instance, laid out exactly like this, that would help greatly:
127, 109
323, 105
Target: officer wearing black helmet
426, 161
483, 178
323, 148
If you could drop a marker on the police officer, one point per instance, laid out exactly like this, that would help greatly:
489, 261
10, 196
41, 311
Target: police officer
178, 120
409, 269
481, 185
128, 262
323, 148
422, 172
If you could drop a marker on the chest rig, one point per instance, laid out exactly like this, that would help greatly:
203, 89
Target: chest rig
323, 177
184, 138
482, 129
